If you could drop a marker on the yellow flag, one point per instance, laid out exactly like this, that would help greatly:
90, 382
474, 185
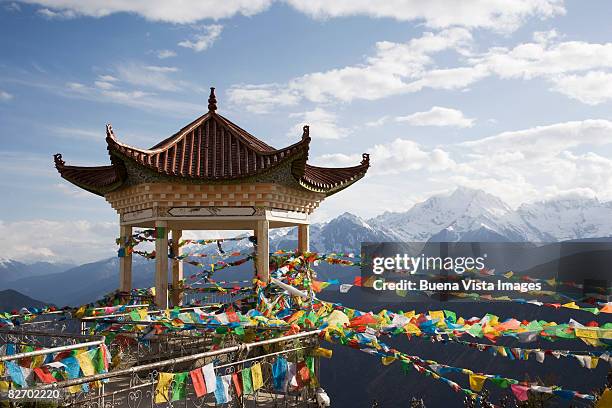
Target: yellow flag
4, 386
606, 399
1, 369
163, 388
477, 381
257, 377
85, 360
86, 363
437, 314
386, 360
80, 312
509, 274
412, 329
571, 305
322, 352
586, 333
594, 362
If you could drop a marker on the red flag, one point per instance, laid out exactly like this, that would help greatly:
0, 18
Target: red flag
45, 376
236, 380
197, 378
357, 281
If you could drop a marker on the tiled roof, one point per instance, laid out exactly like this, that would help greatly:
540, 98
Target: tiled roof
211, 148
330, 179
97, 180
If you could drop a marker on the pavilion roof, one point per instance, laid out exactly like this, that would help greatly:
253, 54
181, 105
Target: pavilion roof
211, 149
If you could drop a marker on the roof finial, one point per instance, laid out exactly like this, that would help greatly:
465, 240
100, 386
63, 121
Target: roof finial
212, 100
365, 158
57, 158
306, 132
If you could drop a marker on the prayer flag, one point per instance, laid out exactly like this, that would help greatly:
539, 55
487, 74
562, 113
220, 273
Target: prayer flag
237, 384
163, 388
222, 389
477, 381
247, 385
257, 376
279, 371
197, 378
209, 377
520, 392
179, 386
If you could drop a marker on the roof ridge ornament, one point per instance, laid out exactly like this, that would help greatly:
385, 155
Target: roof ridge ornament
365, 158
212, 100
57, 158
109, 130
306, 133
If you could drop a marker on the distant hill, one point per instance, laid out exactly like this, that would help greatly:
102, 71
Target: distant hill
12, 300
12, 270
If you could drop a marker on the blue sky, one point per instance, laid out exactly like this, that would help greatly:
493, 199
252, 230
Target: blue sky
512, 97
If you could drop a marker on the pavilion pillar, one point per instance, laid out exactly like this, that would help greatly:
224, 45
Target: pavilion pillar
263, 250
303, 238
161, 264
177, 268
125, 259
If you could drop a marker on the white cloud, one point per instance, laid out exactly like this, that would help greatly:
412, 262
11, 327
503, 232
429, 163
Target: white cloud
107, 78
56, 15
5, 96
395, 68
80, 241
163, 54
498, 15
204, 39
546, 56
398, 156
578, 69
261, 98
135, 98
13, 7
323, 125
593, 88
187, 11
541, 141
437, 116
378, 122
104, 85
79, 133
150, 76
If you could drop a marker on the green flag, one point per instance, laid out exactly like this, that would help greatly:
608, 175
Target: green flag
134, 315
98, 361
247, 384
178, 386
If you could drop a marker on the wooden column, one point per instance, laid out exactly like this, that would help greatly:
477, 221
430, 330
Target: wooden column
303, 238
125, 261
161, 264
177, 268
263, 251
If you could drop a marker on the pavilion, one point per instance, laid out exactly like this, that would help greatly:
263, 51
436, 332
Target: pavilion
211, 174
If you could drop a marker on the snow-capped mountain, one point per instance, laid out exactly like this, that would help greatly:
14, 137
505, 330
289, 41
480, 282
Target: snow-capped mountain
569, 218
465, 214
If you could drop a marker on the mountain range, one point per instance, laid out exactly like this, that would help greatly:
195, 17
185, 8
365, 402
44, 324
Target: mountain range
463, 215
